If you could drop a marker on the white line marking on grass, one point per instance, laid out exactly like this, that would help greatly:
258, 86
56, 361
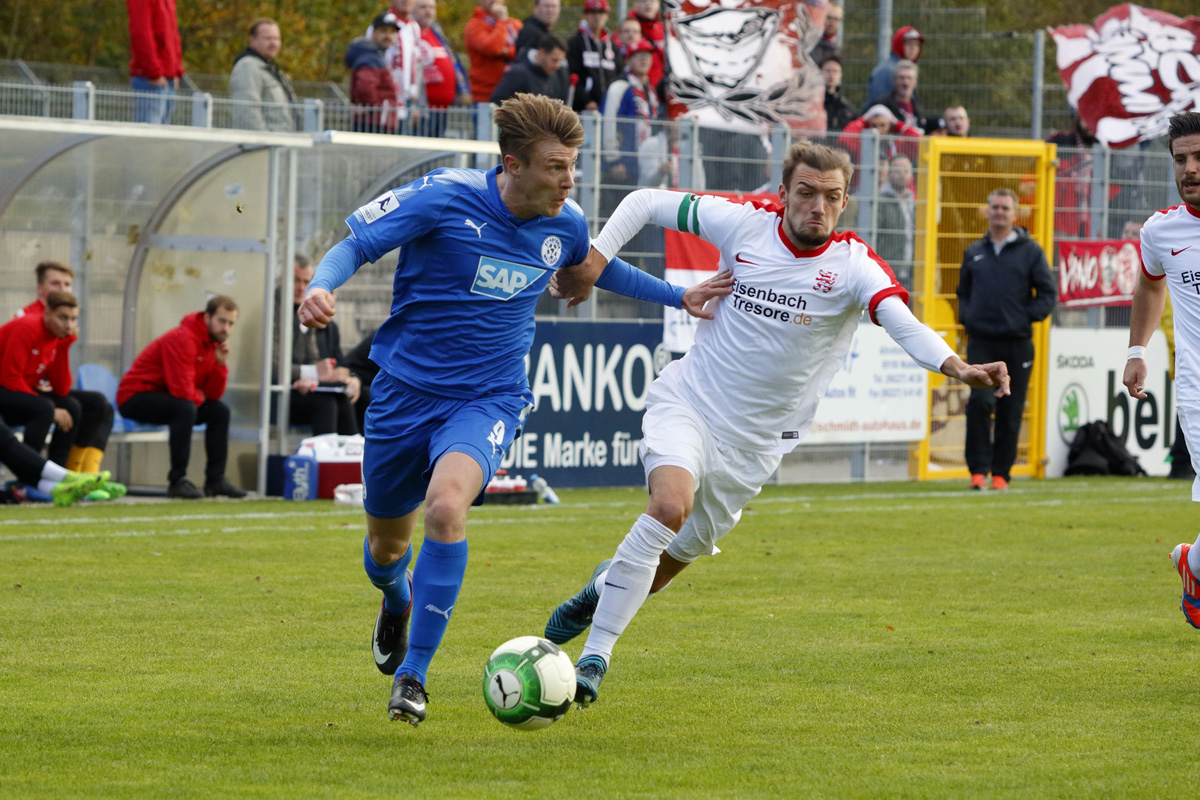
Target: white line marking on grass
174, 517
29, 537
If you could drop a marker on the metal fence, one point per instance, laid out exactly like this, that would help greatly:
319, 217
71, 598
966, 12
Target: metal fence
151, 217
967, 60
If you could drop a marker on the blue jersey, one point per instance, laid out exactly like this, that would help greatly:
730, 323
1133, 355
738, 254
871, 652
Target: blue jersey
468, 278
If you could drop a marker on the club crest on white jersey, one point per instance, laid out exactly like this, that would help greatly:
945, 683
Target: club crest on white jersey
504, 280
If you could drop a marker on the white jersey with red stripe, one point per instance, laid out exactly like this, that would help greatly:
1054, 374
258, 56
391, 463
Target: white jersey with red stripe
1171, 249
758, 370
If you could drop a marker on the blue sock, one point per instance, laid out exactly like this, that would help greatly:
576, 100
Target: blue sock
390, 579
436, 580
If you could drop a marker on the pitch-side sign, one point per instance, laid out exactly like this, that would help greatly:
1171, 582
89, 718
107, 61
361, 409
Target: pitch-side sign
1086, 366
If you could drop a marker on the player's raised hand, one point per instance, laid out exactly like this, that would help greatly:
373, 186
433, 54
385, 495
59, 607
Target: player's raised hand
574, 283
316, 310
717, 286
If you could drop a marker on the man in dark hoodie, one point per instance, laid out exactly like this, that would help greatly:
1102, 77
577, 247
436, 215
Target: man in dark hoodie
902, 100
371, 82
263, 93
906, 44
838, 112
1004, 286
534, 73
538, 24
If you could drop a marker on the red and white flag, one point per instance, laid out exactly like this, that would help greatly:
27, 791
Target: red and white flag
1130, 72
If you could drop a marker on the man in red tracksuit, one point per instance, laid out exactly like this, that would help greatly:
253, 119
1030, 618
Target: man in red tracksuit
82, 447
178, 381
34, 348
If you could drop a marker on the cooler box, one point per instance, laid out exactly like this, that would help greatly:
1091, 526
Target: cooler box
339, 460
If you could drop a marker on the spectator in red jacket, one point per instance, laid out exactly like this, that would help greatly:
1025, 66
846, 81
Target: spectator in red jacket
880, 118
155, 58
94, 414
490, 37
35, 379
371, 81
178, 381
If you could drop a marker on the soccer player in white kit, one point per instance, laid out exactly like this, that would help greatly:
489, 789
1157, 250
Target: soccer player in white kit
719, 421
1171, 250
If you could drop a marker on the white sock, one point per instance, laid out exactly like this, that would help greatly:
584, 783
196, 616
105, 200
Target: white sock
52, 472
598, 584
1194, 557
45, 485
626, 584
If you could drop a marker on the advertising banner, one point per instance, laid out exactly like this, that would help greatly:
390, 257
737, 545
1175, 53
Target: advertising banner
878, 395
1101, 273
1084, 385
589, 381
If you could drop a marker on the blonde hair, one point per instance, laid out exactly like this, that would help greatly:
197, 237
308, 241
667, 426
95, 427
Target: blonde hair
817, 156
526, 119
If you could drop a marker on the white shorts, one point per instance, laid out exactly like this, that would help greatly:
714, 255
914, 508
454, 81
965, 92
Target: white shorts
1189, 420
674, 434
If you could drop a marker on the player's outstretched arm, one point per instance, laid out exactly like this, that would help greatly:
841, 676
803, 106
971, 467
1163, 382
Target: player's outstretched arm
1149, 299
979, 376
929, 350
666, 208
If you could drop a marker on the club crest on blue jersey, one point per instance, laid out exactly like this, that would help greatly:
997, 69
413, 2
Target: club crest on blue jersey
552, 249
504, 280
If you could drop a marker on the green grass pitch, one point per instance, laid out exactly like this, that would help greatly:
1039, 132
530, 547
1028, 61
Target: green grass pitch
882, 640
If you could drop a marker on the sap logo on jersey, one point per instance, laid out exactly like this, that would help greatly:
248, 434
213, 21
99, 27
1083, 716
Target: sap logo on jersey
504, 280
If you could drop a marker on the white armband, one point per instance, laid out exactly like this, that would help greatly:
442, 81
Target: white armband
1137, 351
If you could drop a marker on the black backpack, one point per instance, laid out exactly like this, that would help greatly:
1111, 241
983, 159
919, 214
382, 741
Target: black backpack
1096, 451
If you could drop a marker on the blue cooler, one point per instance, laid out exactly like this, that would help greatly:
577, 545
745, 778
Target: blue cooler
300, 478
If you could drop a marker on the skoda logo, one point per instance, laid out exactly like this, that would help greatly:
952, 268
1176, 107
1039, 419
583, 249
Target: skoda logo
551, 250
1073, 411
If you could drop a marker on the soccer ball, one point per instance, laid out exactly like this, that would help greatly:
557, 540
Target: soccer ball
529, 683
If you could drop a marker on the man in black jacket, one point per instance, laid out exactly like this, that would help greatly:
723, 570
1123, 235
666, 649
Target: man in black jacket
594, 57
538, 24
1004, 286
535, 73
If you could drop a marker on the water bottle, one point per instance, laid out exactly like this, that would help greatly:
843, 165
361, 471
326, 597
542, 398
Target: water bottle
545, 493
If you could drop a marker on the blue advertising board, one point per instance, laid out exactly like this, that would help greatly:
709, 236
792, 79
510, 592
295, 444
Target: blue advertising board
589, 381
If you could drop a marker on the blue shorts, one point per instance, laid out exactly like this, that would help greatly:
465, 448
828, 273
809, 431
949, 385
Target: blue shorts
408, 430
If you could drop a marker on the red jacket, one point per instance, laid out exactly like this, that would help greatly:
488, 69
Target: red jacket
35, 309
154, 47
181, 362
490, 45
29, 354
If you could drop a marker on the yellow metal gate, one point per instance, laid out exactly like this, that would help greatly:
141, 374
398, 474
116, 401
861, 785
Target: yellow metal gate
955, 177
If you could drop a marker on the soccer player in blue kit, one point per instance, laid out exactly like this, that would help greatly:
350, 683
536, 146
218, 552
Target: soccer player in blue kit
476, 250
